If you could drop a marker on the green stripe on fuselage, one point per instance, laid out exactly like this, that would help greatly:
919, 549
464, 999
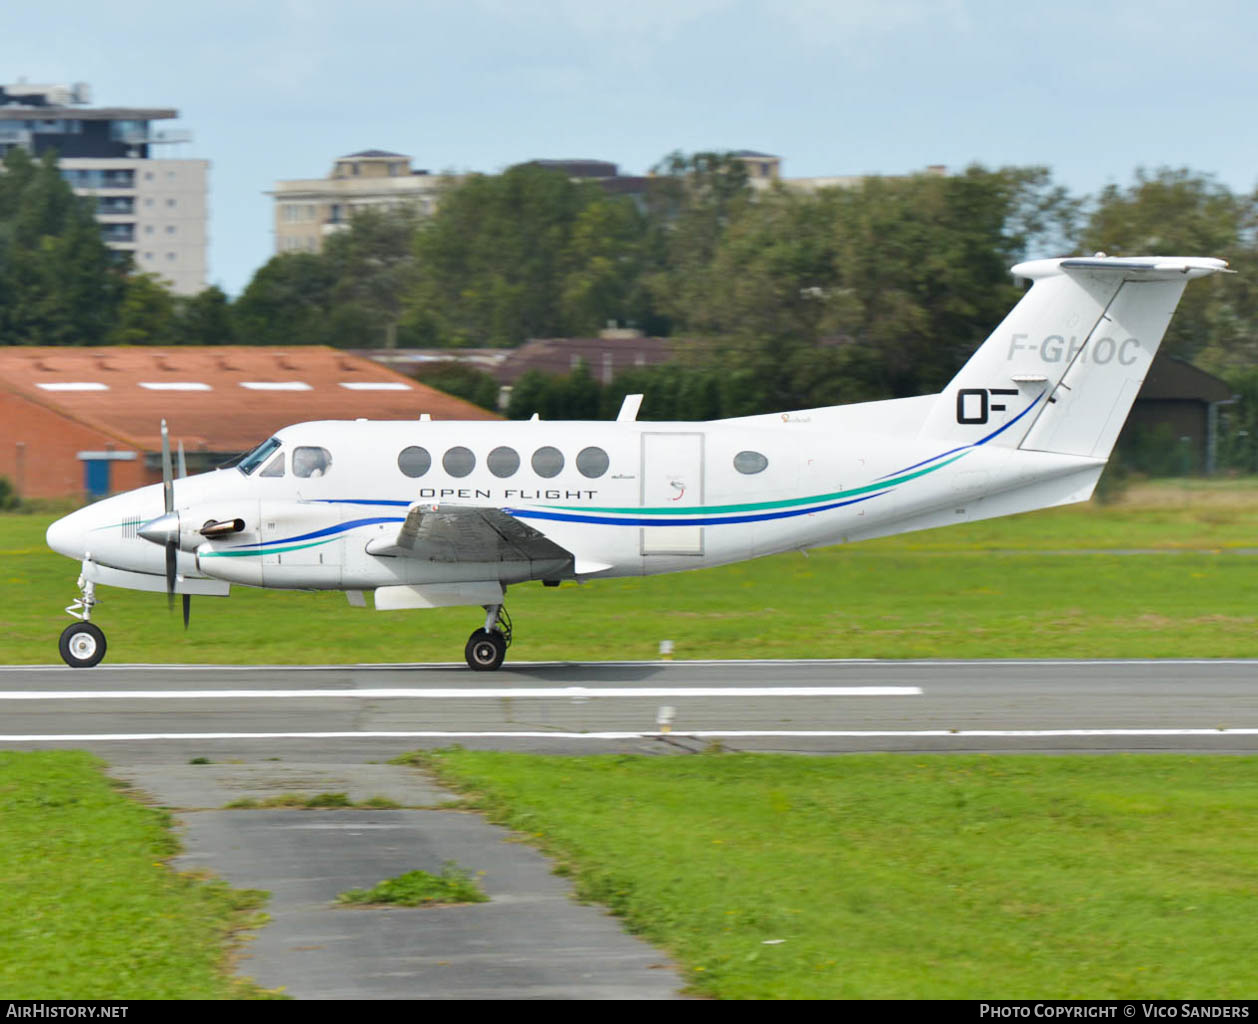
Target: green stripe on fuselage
238, 553
762, 505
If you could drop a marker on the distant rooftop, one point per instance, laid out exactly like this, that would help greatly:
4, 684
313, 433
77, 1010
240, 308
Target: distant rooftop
220, 398
579, 167
14, 113
369, 153
19, 100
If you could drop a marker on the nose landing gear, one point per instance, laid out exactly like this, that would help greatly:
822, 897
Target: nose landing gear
487, 647
82, 643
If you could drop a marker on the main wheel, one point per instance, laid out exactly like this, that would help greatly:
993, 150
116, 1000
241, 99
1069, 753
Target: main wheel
485, 650
82, 645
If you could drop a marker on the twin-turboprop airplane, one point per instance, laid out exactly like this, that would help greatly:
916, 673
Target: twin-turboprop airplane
427, 514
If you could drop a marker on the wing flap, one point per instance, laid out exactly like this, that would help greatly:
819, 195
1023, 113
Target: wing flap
466, 533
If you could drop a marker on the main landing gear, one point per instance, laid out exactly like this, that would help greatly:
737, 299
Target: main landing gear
82, 643
487, 647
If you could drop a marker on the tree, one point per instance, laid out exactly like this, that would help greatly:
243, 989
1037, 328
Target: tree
877, 291
146, 315
59, 283
524, 254
288, 302
462, 381
691, 203
372, 265
1181, 213
603, 268
206, 319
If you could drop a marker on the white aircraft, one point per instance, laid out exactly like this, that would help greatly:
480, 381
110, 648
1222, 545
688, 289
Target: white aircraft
427, 514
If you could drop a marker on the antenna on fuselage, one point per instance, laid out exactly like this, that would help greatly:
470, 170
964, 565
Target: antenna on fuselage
629, 409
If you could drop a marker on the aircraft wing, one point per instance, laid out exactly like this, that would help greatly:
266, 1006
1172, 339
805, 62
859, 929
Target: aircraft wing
462, 533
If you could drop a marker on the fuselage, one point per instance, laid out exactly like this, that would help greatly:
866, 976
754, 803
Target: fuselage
625, 499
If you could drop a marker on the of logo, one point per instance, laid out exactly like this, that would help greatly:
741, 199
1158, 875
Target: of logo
974, 405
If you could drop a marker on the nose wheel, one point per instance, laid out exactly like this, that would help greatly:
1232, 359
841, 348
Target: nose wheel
82, 645
487, 647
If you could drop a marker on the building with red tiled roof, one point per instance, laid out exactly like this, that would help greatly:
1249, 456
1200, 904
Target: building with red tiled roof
70, 414
613, 352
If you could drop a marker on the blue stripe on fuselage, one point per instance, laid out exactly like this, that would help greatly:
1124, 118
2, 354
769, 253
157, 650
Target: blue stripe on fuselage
567, 517
325, 532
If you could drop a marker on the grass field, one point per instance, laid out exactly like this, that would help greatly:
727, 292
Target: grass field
765, 877
88, 908
1049, 584
887, 876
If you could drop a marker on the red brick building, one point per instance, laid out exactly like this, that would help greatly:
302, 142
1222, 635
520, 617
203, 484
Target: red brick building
70, 417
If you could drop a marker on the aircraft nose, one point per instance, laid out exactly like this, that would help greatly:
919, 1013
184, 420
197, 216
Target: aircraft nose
67, 536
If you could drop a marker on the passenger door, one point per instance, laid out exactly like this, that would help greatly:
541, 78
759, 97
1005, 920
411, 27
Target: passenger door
672, 478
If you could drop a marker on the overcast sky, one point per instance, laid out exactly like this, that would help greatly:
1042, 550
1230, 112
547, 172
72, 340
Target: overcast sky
273, 90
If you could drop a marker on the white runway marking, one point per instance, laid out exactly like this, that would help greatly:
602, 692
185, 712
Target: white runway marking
695, 734
453, 693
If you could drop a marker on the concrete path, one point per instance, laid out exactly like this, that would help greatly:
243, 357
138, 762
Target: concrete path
530, 941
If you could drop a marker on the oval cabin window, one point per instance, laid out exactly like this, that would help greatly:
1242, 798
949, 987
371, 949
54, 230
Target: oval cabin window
547, 461
750, 462
414, 461
503, 461
458, 461
592, 462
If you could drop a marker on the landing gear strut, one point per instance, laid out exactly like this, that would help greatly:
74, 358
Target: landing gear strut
487, 647
82, 643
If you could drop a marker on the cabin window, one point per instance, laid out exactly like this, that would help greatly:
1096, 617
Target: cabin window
750, 462
275, 467
503, 461
259, 455
310, 461
414, 461
548, 461
592, 462
458, 461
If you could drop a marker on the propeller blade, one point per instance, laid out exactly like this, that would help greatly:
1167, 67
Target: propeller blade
187, 609
171, 553
182, 463
168, 492
168, 484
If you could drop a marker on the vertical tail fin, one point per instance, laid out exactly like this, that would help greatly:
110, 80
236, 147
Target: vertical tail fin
1061, 371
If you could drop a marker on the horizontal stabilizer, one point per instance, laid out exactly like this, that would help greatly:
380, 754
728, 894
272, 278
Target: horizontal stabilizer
1151, 268
1061, 371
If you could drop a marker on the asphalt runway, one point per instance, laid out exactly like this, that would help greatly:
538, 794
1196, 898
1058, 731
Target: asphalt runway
199, 739
137, 714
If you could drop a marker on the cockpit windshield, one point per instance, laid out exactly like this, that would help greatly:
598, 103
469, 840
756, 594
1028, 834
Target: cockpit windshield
256, 457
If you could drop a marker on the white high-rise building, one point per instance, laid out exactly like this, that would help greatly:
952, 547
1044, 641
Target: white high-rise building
308, 210
153, 209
